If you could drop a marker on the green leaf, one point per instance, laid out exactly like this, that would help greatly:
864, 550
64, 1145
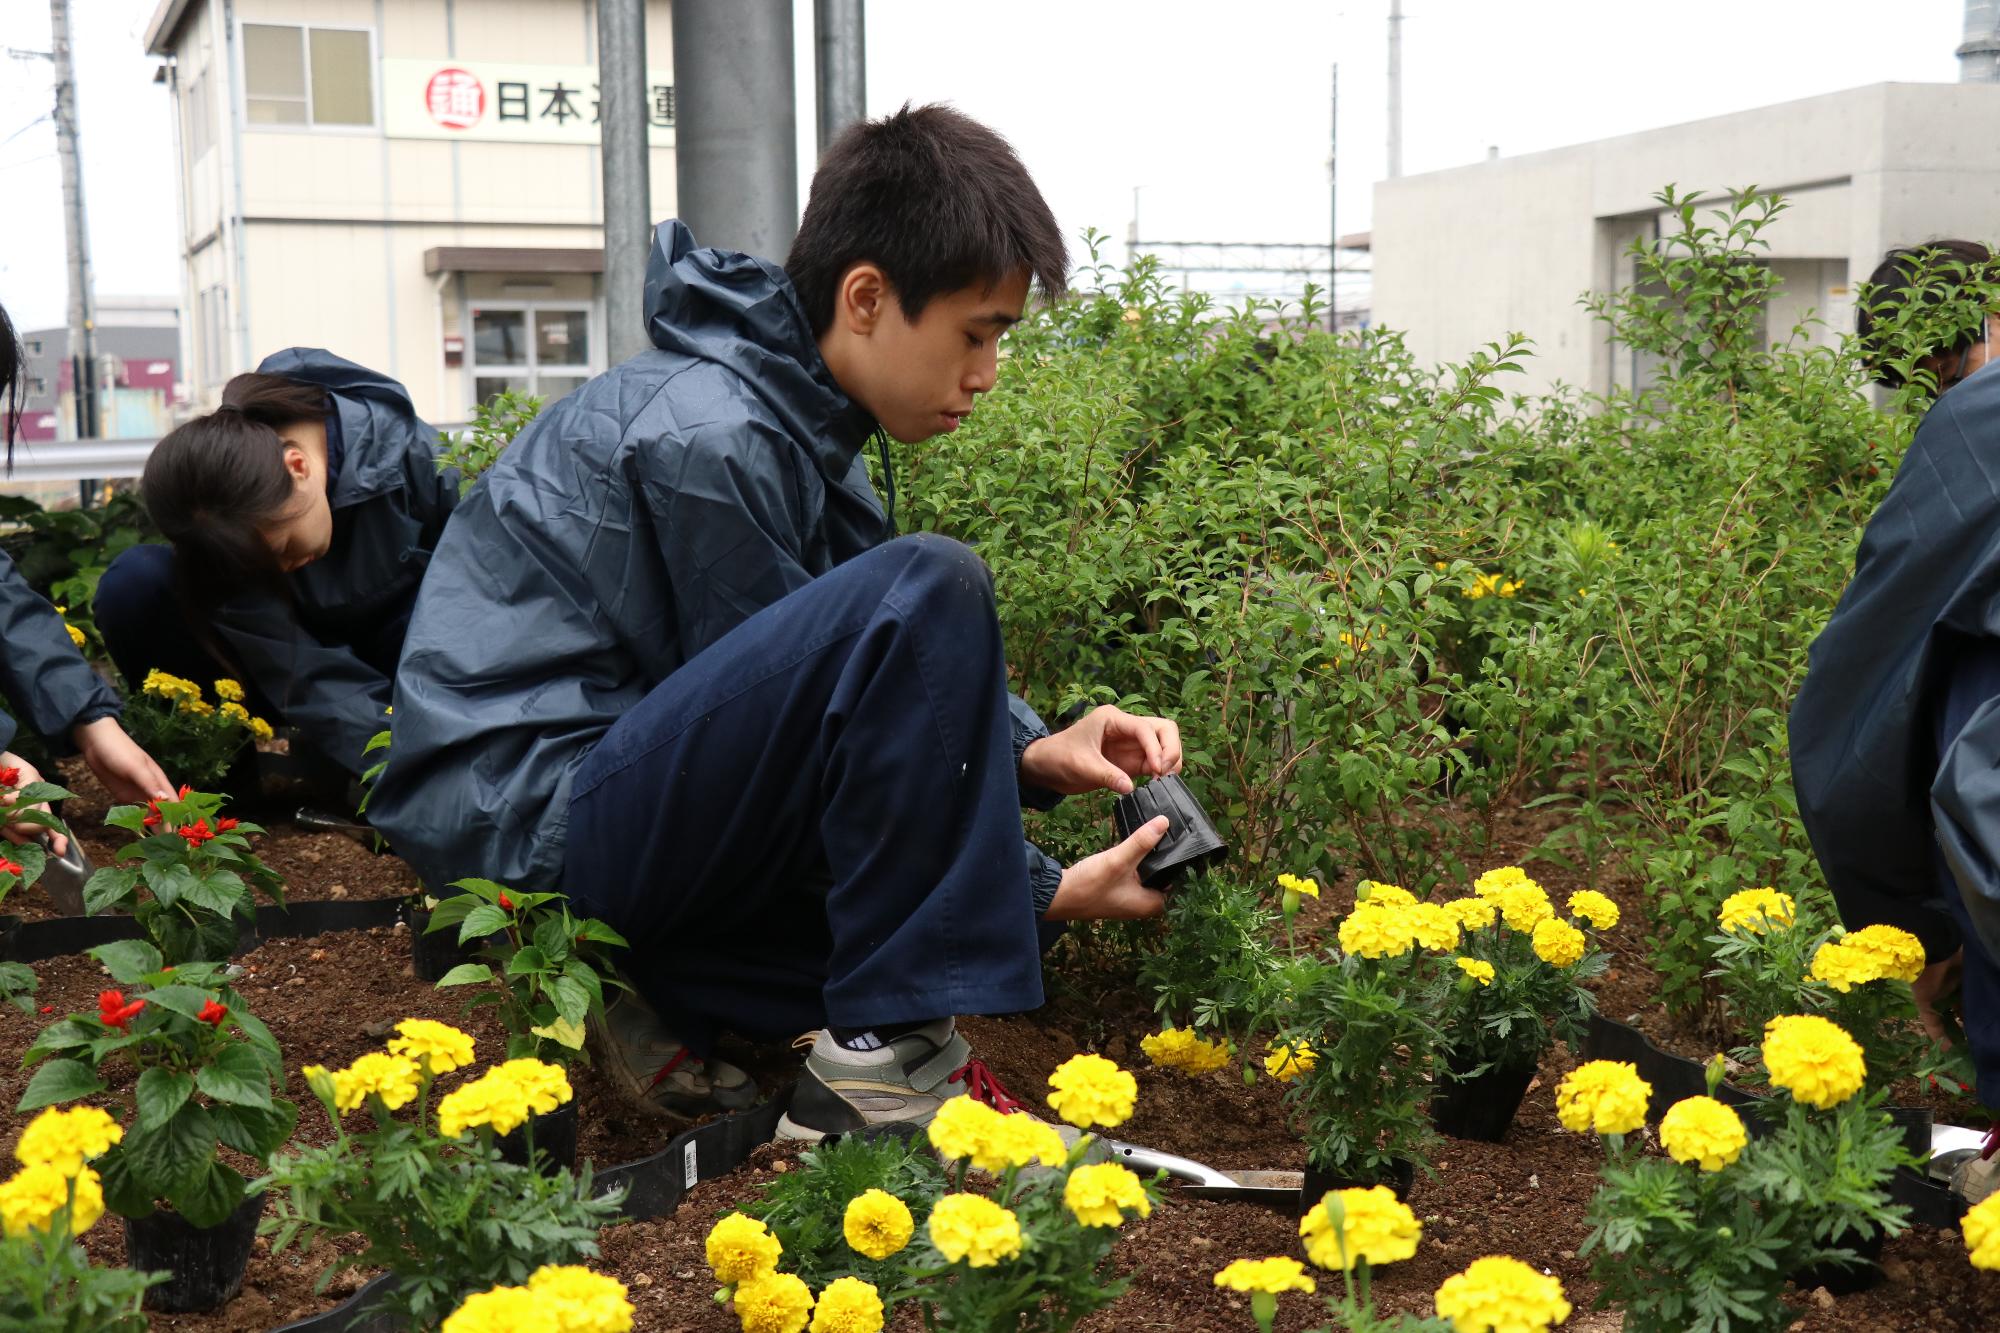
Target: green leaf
172, 1158
237, 1076
255, 1131
465, 974
572, 1001
211, 1197
30, 857
599, 933
480, 922
526, 960
450, 912
124, 1193
128, 961
161, 1092
107, 888
185, 1000
59, 1081
170, 881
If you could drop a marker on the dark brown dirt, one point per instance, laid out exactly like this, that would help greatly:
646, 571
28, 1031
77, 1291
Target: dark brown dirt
331, 998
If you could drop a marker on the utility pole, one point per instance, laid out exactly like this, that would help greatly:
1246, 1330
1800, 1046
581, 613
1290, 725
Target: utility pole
1395, 88
841, 28
1333, 206
736, 127
628, 178
82, 304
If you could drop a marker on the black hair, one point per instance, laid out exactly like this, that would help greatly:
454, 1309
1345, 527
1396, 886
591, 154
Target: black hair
215, 481
1932, 276
934, 199
13, 378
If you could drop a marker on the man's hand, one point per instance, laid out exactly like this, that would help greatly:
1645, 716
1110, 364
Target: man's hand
25, 774
1106, 887
1933, 984
1105, 748
126, 771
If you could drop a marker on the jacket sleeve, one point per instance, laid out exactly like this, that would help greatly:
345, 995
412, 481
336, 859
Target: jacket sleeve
48, 686
1027, 728
336, 700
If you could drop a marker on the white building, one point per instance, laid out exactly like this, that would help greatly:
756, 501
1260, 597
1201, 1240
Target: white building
1464, 256
412, 184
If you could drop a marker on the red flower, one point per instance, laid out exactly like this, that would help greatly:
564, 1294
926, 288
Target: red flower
114, 1012
48, 1008
224, 825
8, 867
211, 1012
10, 777
506, 903
196, 833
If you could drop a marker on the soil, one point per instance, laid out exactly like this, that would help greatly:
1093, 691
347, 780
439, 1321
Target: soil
330, 998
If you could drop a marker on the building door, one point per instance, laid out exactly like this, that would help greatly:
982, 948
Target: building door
538, 347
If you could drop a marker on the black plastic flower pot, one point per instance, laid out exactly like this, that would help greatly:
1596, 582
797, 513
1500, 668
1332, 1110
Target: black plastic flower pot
1399, 1176
1482, 1107
555, 1140
1845, 1279
1191, 840
434, 955
206, 1263
1915, 1122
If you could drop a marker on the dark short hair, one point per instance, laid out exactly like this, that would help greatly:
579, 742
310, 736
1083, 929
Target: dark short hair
13, 374
932, 197
214, 482
1920, 276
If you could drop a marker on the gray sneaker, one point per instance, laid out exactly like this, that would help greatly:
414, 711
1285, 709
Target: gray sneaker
657, 1073
904, 1081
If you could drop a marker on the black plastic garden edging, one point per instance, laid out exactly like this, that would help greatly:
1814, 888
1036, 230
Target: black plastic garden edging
38, 941
654, 1187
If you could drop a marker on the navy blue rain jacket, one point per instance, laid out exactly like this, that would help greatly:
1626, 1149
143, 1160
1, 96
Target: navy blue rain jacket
630, 526
48, 686
328, 658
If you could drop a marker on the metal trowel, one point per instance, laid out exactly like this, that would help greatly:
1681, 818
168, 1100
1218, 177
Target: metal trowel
1276, 1189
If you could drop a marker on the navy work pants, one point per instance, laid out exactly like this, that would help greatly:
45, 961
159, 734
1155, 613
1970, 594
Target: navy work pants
817, 818
143, 628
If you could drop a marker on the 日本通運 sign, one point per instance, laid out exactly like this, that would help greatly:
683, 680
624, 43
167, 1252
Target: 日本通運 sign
482, 99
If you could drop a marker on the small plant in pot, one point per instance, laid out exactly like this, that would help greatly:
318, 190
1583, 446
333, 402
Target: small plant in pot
173, 722
1515, 988
429, 1194
47, 1284
547, 973
22, 863
197, 871
207, 1078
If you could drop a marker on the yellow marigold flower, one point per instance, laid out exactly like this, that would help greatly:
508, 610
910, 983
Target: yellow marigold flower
1265, 1275
66, 1140
1813, 1059
848, 1305
1020, 1139
962, 1126
1183, 1051
1594, 907
229, 691
1898, 953
1558, 943
498, 1103
75, 634
390, 1077
583, 1301
199, 707
1981, 1228
741, 1248
1501, 1295
1478, 969
1372, 930
439, 1047
1308, 888
1091, 1092
1099, 1195
237, 713
261, 729
1384, 895
1473, 913
773, 1303
502, 1310
1501, 877
1374, 1225
1288, 1059
877, 1224
543, 1085
1703, 1131
1606, 1096
1523, 906
163, 686
1756, 911
1432, 927
974, 1228
1842, 968
31, 1198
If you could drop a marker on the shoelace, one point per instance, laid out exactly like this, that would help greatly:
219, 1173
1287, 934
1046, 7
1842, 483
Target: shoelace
1992, 1143
681, 1057
982, 1086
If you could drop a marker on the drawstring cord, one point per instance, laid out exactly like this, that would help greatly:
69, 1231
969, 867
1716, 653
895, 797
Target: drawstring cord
888, 475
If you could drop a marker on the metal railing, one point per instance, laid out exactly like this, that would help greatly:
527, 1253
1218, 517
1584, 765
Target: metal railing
74, 460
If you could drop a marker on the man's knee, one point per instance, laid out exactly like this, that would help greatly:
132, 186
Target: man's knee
947, 575
136, 584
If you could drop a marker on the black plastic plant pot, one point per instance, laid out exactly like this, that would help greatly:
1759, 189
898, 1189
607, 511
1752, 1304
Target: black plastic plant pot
1482, 1107
1399, 1176
555, 1140
1915, 1122
1191, 840
1845, 1279
206, 1263
433, 955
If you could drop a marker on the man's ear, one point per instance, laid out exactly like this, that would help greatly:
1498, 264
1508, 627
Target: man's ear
862, 299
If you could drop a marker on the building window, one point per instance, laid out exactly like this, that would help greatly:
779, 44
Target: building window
200, 109
211, 323
307, 76
529, 347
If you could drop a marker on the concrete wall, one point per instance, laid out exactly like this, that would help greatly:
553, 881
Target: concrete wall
1464, 256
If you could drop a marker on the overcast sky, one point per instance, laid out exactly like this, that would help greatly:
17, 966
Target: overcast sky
1217, 113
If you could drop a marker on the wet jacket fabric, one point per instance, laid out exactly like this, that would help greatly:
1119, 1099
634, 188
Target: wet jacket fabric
327, 660
1879, 787
48, 686
628, 527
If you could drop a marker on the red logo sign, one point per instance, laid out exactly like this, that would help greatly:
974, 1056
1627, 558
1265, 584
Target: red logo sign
455, 98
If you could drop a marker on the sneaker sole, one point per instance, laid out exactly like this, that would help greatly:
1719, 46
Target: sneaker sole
790, 1130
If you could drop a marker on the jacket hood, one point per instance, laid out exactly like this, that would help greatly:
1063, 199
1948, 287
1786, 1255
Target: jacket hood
376, 420
743, 313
